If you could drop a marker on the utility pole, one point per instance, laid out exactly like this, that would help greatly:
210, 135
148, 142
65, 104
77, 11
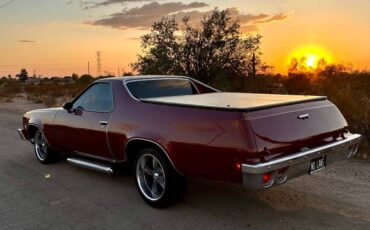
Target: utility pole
118, 73
98, 63
254, 64
88, 68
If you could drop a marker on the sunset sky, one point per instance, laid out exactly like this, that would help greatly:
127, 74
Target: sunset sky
59, 37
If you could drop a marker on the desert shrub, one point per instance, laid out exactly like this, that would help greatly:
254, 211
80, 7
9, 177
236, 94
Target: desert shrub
49, 100
351, 94
8, 99
37, 92
8, 89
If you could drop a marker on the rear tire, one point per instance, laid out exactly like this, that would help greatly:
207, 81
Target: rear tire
43, 152
156, 180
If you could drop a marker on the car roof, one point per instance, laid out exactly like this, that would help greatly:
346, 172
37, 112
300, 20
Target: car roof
140, 77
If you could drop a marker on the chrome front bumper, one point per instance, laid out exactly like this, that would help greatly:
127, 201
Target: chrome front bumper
21, 134
285, 168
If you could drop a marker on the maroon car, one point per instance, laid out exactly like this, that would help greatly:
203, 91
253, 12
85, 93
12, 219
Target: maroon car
171, 128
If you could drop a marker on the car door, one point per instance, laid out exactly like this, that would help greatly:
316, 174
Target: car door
83, 129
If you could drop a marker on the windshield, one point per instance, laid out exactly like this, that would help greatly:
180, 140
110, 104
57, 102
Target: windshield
161, 88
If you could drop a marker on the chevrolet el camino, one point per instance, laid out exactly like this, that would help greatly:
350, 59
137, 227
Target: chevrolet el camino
171, 128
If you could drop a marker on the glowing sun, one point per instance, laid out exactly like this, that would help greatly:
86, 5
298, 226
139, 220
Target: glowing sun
311, 54
311, 60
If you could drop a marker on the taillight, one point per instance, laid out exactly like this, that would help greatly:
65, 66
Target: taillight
266, 177
238, 166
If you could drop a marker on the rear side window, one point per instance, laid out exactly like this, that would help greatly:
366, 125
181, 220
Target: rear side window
161, 88
97, 98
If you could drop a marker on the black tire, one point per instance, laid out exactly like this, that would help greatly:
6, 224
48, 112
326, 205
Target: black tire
158, 183
43, 152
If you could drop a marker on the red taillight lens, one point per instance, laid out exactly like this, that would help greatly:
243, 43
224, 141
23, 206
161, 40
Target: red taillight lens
238, 166
266, 177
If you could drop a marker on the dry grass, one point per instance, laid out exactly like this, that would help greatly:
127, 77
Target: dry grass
48, 93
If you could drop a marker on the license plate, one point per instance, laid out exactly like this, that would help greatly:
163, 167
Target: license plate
317, 164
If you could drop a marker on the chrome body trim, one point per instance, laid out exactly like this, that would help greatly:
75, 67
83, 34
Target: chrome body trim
304, 116
103, 122
298, 164
99, 167
21, 135
39, 128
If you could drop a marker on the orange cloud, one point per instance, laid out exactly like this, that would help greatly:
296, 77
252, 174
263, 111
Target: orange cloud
143, 17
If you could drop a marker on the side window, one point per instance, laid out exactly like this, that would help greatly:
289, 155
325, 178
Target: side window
98, 98
161, 88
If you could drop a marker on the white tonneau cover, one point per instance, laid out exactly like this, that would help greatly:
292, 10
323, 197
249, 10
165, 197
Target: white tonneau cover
234, 101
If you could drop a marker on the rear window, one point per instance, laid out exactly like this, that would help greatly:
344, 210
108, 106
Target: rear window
161, 88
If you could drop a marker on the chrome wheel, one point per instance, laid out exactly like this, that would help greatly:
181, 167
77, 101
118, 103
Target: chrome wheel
41, 146
150, 177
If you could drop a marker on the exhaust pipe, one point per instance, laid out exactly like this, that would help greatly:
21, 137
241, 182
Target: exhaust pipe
99, 167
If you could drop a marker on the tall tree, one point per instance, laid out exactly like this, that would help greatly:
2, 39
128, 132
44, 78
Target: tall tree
23, 75
161, 48
215, 47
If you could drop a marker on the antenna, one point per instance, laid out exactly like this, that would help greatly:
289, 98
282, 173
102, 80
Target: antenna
98, 63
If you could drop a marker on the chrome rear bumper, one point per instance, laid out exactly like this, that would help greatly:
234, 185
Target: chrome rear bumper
285, 168
21, 134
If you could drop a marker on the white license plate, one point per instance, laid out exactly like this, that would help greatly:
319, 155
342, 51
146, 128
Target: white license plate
317, 164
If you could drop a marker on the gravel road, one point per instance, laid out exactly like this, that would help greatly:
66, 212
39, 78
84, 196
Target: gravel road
61, 196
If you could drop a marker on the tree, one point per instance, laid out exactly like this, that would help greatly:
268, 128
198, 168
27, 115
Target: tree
215, 47
161, 49
85, 79
74, 76
127, 74
23, 75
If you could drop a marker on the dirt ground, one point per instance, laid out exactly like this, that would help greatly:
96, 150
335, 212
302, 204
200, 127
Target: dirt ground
61, 196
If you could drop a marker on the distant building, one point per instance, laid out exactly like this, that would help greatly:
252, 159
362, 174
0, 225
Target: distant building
33, 80
68, 80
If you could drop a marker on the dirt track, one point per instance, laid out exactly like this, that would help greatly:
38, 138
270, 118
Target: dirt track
61, 196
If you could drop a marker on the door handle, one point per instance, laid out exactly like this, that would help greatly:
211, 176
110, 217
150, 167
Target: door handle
103, 122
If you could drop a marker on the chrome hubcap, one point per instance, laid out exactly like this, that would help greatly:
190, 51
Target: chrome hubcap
150, 177
41, 146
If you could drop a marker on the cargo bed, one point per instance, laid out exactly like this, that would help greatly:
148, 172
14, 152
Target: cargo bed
234, 101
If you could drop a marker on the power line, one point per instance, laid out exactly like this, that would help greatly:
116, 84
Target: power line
7, 3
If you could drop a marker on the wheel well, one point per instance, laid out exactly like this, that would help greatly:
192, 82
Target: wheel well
135, 146
32, 129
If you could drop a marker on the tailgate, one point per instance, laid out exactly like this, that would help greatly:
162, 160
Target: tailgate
288, 129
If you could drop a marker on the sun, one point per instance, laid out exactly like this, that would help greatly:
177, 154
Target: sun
311, 60
311, 54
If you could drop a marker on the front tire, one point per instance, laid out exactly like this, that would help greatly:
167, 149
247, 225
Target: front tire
156, 180
42, 149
